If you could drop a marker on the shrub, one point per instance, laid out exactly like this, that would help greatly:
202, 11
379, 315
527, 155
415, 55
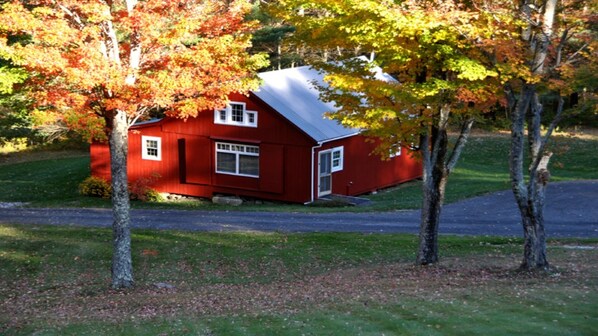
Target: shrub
138, 190
141, 189
96, 187
152, 195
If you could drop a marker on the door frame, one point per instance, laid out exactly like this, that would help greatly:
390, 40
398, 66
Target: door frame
326, 174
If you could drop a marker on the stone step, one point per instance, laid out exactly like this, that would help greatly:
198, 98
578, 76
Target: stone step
351, 200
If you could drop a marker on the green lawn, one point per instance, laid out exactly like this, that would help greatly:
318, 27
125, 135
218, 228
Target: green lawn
483, 168
55, 282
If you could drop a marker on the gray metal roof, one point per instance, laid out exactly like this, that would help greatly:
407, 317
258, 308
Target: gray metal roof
292, 94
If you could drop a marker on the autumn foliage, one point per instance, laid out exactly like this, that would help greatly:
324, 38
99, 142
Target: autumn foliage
430, 65
99, 66
441, 54
87, 58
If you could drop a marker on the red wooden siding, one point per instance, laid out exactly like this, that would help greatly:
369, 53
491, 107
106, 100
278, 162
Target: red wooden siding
364, 171
272, 168
198, 160
189, 155
100, 160
188, 159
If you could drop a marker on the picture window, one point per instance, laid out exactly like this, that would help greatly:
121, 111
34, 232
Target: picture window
237, 159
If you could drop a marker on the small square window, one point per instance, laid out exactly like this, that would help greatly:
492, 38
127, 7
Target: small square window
251, 117
151, 148
337, 158
237, 112
394, 151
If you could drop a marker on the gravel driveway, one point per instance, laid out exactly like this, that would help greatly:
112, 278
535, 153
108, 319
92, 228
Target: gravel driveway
571, 211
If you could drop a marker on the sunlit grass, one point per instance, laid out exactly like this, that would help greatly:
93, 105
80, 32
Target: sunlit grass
13, 146
56, 282
10, 232
483, 168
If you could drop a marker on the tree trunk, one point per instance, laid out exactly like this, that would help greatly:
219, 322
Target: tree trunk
532, 219
529, 197
433, 199
122, 266
279, 54
534, 246
437, 166
434, 183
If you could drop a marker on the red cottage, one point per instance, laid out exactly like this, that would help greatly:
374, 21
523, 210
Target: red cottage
273, 144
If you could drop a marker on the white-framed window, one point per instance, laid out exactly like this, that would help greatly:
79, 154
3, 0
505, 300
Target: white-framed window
394, 152
237, 159
337, 158
236, 114
151, 148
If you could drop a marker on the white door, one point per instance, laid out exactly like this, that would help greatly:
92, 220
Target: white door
325, 173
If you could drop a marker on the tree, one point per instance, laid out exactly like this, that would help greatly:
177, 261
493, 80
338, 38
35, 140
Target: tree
558, 45
270, 39
14, 119
441, 56
100, 65
284, 47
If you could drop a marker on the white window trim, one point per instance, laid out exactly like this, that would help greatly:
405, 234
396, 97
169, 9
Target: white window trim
237, 153
229, 116
396, 152
144, 153
341, 159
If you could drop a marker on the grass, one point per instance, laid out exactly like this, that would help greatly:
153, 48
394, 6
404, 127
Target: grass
483, 168
55, 282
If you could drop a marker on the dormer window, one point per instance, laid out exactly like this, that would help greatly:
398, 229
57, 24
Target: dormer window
236, 114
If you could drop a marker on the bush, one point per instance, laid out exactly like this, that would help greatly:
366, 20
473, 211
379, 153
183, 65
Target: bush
95, 187
152, 195
141, 190
138, 190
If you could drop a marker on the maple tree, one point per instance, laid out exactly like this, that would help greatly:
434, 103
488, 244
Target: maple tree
101, 65
441, 56
557, 45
